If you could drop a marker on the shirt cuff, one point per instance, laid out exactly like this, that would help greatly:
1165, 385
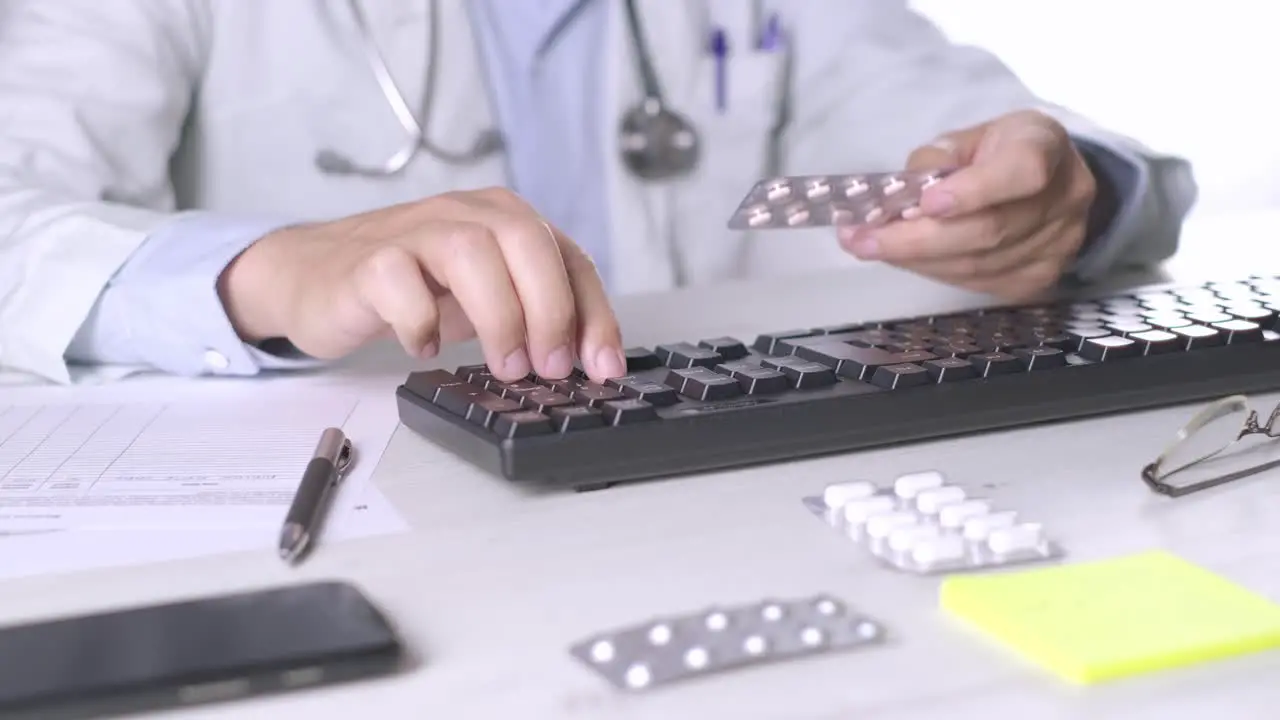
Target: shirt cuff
162, 309
1122, 182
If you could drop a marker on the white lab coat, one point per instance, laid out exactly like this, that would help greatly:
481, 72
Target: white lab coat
115, 113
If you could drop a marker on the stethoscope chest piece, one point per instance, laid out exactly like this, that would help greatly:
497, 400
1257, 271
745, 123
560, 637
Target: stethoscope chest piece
658, 143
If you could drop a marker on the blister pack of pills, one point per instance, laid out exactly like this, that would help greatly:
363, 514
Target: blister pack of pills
818, 200
669, 649
923, 524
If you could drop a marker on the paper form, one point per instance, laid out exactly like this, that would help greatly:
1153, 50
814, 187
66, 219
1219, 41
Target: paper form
110, 476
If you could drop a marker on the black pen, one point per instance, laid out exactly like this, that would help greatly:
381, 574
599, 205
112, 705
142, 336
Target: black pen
326, 469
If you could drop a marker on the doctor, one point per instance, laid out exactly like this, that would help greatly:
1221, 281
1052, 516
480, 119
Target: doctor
207, 187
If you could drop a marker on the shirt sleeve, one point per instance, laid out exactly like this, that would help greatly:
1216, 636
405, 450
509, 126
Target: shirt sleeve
1122, 181
162, 311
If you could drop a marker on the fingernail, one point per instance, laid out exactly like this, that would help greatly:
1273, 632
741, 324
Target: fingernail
610, 362
559, 363
865, 247
429, 350
516, 364
937, 203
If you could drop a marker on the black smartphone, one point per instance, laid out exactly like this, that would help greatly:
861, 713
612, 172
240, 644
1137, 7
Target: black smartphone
194, 652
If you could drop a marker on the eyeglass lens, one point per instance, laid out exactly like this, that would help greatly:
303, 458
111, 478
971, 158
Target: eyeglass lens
1212, 449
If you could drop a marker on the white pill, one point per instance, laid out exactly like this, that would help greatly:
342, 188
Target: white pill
754, 645
904, 538
638, 676
835, 496
954, 516
879, 526
696, 658
940, 549
811, 637
1027, 536
602, 651
856, 512
717, 621
978, 528
908, 486
772, 613
660, 634
931, 501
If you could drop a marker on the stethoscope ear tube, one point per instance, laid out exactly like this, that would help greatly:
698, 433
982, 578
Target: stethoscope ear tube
656, 142
488, 142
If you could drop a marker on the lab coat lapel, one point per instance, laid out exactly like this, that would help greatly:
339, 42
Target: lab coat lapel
642, 212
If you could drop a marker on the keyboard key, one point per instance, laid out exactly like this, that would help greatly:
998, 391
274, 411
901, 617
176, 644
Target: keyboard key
458, 397
950, 369
999, 342
654, 393
956, 349
474, 374
803, 374
687, 355
1194, 337
1156, 342
1081, 335
872, 338
585, 392
1253, 313
1125, 329
426, 383
754, 379
628, 412
640, 359
1207, 317
858, 363
726, 347
907, 347
1238, 332
898, 377
1167, 321
765, 343
1103, 349
576, 417
703, 384
525, 423
1059, 340
1040, 358
995, 363
545, 400
516, 390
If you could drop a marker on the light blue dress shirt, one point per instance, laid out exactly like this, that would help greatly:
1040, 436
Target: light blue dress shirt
162, 308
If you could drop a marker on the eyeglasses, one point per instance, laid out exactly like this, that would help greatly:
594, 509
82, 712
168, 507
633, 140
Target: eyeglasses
1212, 443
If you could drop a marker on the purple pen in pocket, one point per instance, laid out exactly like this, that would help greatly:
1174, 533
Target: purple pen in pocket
718, 47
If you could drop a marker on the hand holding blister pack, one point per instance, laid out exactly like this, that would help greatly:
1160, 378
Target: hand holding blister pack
923, 524
806, 201
668, 649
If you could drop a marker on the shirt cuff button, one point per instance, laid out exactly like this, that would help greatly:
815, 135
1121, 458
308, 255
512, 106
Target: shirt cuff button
215, 360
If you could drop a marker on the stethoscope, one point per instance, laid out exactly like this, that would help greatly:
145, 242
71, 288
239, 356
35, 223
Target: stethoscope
657, 143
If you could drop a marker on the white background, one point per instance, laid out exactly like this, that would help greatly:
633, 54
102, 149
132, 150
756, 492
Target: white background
1182, 76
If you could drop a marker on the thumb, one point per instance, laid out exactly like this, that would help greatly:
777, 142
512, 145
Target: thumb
949, 151
1009, 159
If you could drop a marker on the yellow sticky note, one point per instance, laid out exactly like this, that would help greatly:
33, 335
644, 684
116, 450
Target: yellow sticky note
1096, 621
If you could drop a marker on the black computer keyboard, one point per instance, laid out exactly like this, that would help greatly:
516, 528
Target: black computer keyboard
698, 405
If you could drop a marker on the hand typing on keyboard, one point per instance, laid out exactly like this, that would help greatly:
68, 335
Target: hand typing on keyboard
442, 269
1007, 222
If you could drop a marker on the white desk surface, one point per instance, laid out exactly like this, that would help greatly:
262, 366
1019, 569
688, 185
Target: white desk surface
494, 583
